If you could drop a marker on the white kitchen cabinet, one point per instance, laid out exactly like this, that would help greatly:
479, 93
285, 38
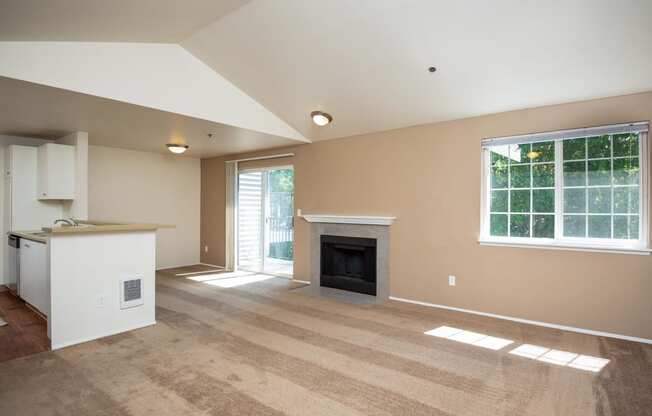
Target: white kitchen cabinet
56, 171
34, 275
22, 210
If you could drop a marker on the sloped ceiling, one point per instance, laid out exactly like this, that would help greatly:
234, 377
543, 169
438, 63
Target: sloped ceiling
363, 61
46, 112
166, 21
161, 76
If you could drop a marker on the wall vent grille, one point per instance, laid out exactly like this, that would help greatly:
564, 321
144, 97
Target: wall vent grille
131, 292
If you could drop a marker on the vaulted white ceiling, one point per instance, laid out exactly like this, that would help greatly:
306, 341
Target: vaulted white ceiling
40, 111
160, 76
166, 21
363, 61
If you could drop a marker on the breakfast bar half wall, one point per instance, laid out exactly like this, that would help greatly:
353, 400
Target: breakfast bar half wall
101, 280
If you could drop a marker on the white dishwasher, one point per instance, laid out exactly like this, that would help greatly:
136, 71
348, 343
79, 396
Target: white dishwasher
34, 276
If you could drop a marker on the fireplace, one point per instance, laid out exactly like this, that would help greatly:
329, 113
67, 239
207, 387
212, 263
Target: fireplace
349, 263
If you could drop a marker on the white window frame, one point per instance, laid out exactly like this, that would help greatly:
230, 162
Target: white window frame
640, 246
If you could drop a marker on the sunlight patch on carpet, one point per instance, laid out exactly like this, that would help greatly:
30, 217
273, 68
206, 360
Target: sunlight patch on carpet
469, 337
214, 276
561, 358
239, 281
533, 352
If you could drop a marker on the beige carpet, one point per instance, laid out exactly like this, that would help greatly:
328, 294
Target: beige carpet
262, 349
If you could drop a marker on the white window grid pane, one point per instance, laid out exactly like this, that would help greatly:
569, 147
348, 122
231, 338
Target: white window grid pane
613, 202
612, 186
559, 213
600, 158
531, 188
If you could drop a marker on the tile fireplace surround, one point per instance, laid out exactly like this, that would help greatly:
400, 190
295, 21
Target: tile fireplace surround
352, 226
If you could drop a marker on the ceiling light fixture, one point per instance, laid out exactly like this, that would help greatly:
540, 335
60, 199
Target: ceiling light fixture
320, 118
177, 148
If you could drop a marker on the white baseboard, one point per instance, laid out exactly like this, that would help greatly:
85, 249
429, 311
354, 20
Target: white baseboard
158, 269
93, 338
527, 321
300, 281
212, 265
188, 265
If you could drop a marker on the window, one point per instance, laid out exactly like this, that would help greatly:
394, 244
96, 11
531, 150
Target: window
584, 188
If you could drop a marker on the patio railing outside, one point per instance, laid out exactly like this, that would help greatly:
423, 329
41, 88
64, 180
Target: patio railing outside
281, 230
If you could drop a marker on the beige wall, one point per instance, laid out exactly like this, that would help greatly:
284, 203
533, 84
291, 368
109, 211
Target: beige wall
127, 185
429, 177
213, 210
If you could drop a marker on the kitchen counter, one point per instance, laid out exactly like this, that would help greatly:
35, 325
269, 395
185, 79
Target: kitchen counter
101, 279
87, 227
39, 236
104, 227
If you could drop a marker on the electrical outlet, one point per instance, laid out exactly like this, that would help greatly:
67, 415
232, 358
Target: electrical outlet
451, 280
298, 212
205, 249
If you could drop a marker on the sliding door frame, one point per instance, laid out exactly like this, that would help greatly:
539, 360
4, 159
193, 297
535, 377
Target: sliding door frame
263, 214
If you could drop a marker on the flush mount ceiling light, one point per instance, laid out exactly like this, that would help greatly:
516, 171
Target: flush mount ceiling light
320, 118
177, 148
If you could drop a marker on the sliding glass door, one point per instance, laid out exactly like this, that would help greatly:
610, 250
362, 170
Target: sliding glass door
250, 221
265, 238
279, 222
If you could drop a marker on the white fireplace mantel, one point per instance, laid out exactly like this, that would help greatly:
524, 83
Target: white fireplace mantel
349, 219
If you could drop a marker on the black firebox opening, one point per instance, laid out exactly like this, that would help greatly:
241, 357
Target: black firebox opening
349, 263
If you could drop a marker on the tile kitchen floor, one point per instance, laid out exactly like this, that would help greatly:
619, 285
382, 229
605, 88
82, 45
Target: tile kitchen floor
25, 332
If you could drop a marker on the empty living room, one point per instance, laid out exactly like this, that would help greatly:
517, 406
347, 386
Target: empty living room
325, 208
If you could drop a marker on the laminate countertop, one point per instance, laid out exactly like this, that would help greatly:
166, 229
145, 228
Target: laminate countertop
39, 236
87, 227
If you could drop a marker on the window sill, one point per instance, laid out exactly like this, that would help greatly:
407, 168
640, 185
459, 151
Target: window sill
569, 247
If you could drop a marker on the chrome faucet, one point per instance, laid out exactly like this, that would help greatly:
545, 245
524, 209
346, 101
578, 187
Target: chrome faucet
70, 222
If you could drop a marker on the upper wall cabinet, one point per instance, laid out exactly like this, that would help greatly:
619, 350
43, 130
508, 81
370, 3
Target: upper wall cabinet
56, 171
